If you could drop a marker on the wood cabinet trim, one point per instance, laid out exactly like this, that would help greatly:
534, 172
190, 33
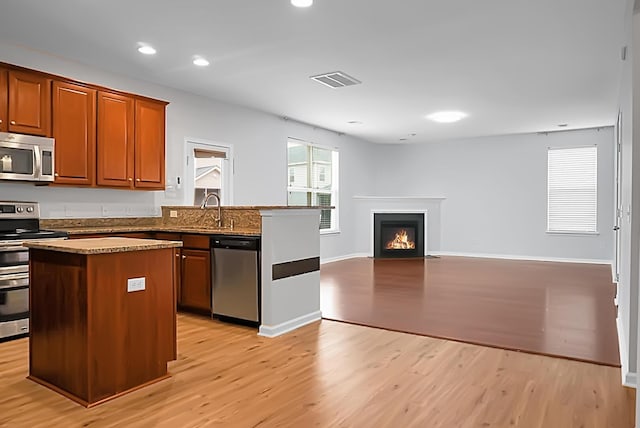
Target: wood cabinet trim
64, 79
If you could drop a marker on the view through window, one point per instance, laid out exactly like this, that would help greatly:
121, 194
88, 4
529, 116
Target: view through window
313, 179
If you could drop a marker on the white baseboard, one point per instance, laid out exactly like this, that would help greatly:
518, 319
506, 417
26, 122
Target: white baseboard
287, 326
519, 257
628, 378
345, 257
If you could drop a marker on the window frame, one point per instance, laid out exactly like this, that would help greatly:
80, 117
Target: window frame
574, 232
333, 192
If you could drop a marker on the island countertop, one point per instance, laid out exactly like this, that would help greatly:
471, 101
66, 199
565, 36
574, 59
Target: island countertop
102, 245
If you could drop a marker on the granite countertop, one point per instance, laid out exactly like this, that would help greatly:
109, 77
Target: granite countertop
81, 230
101, 245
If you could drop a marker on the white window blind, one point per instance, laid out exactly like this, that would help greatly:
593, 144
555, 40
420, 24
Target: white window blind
572, 196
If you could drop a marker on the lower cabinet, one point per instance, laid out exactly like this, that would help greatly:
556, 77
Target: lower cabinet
195, 289
193, 262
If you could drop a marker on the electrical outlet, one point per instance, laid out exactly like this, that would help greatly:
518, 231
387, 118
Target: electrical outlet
173, 214
135, 284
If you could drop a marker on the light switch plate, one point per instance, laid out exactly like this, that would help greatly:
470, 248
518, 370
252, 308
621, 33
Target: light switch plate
136, 284
173, 214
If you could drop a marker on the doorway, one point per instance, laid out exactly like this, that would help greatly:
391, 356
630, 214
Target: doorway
209, 170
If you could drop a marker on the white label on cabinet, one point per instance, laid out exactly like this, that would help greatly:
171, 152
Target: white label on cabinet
135, 284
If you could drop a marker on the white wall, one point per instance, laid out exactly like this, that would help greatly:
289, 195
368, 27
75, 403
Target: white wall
495, 190
259, 141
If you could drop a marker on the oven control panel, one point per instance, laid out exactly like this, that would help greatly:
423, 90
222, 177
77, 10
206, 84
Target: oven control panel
16, 210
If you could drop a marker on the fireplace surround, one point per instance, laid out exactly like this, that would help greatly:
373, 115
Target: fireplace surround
398, 235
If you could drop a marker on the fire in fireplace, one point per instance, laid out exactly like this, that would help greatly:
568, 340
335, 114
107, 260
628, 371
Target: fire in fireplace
401, 241
398, 235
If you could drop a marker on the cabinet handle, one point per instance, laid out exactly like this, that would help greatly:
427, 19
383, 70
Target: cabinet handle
177, 255
56, 174
130, 179
13, 122
137, 179
184, 257
0, 121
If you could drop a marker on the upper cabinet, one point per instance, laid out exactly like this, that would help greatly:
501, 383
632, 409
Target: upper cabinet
103, 137
74, 130
4, 99
131, 142
29, 107
115, 140
149, 144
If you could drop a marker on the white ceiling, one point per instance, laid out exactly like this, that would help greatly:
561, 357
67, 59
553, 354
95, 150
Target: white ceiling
513, 65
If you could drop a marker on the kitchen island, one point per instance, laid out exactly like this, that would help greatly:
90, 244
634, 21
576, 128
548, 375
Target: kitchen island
102, 315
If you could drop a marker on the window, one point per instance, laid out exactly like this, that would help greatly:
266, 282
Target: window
572, 190
313, 180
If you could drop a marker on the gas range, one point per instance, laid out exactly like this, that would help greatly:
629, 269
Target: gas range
19, 222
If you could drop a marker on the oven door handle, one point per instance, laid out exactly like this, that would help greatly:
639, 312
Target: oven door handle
14, 283
13, 248
5, 288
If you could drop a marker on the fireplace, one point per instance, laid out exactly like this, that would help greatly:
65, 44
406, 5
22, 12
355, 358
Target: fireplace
398, 235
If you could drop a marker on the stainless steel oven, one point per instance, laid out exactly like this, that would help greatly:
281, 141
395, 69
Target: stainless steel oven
19, 222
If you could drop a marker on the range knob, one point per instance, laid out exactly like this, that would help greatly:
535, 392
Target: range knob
19, 209
29, 209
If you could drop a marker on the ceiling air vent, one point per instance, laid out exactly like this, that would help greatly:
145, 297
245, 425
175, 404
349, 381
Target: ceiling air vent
336, 79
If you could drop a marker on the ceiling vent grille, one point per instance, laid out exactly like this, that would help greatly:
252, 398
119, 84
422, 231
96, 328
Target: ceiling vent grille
336, 79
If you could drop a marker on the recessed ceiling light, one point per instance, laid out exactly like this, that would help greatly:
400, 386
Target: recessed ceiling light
447, 116
302, 3
143, 48
402, 139
354, 122
200, 62
563, 125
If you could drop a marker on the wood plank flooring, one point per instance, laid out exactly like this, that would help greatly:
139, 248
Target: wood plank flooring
558, 309
331, 374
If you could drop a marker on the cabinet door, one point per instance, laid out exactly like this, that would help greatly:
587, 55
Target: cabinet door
150, 145
74, 129
4, 99
29, 103
196, 279
115, 140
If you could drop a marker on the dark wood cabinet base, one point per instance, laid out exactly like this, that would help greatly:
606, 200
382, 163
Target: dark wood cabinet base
92, 337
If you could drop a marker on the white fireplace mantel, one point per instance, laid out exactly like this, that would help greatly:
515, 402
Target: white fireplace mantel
366, 205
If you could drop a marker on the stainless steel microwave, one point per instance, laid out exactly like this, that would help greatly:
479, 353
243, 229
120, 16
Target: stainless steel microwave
26, 157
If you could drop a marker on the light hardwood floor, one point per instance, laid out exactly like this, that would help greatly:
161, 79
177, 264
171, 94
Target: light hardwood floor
331, 374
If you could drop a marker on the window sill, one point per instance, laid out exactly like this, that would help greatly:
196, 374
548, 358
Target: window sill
330, 232
571, 233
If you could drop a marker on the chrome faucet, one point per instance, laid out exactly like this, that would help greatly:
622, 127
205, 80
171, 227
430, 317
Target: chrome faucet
203, 205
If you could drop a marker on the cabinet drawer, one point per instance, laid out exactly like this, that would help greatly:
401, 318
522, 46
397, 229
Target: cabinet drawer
195, 241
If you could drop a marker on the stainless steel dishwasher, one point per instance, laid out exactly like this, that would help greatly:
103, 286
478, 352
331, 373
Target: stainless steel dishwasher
236, 277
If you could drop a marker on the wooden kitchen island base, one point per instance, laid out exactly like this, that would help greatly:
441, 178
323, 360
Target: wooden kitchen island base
102, 316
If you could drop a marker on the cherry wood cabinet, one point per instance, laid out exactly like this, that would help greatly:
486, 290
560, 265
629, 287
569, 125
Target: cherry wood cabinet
131, 142
115, 145
74, 130
193, 262
29, 106
4, 100
149, 144
93, 339
195, 290
104, 137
